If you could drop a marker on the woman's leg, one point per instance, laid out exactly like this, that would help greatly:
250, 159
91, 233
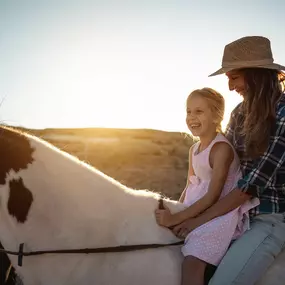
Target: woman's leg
275, 275
193, 270
252, 254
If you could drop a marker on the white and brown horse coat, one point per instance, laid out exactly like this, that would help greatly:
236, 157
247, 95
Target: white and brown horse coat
51, 200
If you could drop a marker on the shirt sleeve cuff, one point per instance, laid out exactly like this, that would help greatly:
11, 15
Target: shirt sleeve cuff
248, 188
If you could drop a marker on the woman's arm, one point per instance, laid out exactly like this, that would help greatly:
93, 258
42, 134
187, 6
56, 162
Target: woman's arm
228, 203
221, 157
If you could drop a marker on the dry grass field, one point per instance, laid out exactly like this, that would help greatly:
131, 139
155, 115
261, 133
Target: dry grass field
141, 159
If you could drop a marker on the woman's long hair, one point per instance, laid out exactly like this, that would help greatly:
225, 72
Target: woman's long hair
263, 91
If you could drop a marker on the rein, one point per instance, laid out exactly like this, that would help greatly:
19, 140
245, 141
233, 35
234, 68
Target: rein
121, 248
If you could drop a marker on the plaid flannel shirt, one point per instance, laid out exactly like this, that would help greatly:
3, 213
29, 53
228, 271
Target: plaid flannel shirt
263, 177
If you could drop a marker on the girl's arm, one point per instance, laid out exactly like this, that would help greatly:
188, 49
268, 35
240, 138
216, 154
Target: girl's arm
190, 172
221, 157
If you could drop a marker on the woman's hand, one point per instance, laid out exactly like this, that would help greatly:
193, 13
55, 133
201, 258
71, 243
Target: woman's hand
183, 229
164, 217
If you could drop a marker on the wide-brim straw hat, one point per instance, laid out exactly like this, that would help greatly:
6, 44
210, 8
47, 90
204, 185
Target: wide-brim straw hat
248, 52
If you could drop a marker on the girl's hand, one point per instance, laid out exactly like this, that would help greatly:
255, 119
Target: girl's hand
164, 217
183, 229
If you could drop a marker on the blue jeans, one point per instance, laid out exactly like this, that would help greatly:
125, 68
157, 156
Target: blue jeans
252, 254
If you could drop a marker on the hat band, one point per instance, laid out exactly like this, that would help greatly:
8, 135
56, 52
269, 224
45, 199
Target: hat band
246, 63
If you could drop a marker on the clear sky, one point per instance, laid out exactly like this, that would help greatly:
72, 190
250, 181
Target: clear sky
126, 64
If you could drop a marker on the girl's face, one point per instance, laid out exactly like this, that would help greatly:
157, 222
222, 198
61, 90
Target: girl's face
200, 119
236, 81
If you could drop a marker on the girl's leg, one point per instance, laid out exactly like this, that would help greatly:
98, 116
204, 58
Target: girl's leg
252, 254
193, 270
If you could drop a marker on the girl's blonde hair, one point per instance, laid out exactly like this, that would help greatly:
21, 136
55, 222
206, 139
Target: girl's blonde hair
216, 102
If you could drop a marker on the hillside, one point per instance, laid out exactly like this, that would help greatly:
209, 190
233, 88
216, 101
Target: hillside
141, 159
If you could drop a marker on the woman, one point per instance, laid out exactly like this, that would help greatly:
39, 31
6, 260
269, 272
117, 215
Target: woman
257, 131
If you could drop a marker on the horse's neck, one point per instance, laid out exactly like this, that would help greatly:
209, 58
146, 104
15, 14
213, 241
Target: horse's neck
75, 206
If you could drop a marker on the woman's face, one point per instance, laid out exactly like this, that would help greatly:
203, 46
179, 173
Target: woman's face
236, 81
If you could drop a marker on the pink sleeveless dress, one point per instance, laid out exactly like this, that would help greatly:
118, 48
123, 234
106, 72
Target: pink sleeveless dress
210, 241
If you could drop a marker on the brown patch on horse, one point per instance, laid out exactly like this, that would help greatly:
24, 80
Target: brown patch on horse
20, 200
15, 152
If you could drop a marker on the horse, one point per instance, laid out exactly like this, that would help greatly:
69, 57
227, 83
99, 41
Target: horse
51, 200
52, 203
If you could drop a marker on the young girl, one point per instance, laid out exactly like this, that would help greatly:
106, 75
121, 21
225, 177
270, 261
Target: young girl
214, 170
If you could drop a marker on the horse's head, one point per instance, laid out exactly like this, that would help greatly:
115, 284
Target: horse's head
15, 156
